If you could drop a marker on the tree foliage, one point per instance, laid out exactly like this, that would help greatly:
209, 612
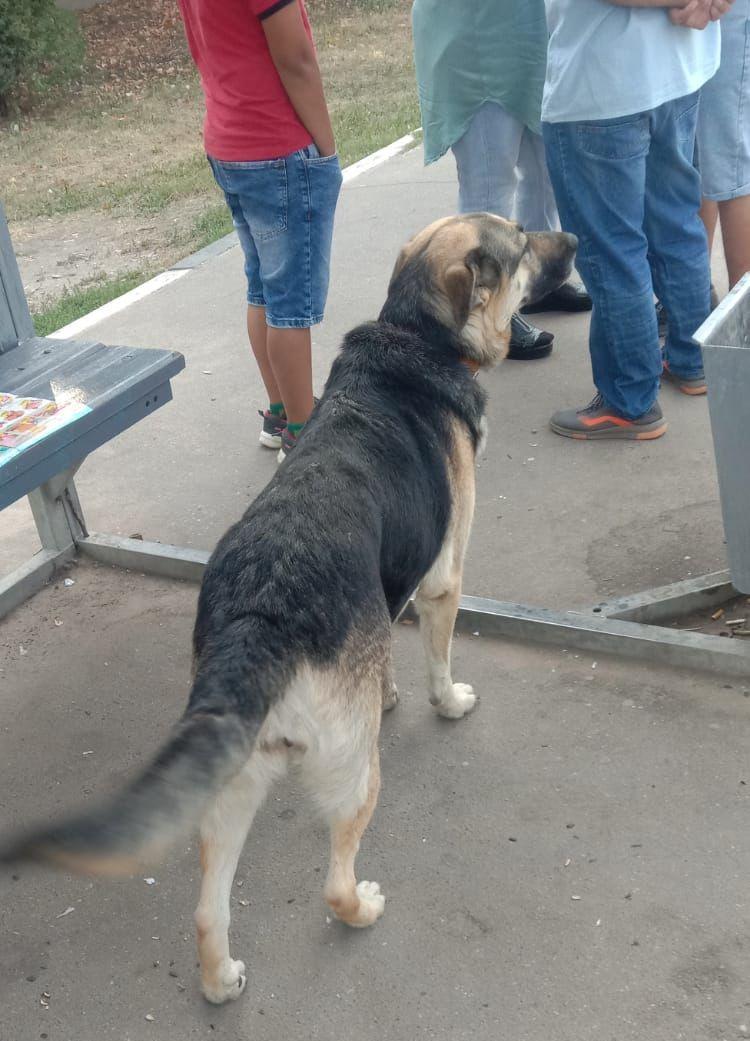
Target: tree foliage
41, 47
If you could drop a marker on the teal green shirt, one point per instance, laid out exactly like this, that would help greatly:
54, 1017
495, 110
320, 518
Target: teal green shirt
471, 51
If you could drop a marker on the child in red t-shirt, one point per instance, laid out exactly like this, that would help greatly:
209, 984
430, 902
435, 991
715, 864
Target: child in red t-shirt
269, 141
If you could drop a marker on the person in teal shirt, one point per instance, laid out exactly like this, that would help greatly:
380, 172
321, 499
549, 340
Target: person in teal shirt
480, 68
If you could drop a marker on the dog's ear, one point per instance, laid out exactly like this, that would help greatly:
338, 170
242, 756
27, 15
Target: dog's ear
459, 289
470, 284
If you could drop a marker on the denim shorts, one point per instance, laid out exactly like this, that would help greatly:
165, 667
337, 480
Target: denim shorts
723, 134
283, 211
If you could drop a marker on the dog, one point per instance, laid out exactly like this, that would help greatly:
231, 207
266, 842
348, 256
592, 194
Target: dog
292, 640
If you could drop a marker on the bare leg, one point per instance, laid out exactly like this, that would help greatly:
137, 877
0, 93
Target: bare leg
256, 331
222, 836
734, 215
356, 904
437, 618
709, 213
290, 358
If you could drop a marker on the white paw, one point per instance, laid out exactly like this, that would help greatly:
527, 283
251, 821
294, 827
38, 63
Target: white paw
228, 987
390, 700
371, 904
458, 702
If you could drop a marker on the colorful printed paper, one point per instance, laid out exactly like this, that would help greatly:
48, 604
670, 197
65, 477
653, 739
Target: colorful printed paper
25, 420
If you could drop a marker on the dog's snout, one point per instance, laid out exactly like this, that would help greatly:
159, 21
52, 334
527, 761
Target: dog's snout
571, 240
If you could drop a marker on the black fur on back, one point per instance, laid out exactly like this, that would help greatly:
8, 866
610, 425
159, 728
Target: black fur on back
351, 522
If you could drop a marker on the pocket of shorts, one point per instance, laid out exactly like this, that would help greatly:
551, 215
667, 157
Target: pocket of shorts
623, 138
321, 160
324, 179
262, 193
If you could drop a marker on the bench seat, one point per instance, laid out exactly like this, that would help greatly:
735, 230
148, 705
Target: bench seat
119, 384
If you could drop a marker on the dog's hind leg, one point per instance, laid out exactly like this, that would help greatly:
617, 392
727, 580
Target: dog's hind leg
357, 904
341, 769
222, 835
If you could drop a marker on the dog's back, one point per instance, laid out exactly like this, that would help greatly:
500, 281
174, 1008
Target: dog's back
360, 506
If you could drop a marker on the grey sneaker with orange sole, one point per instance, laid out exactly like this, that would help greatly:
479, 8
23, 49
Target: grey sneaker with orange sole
687, 384
598, 420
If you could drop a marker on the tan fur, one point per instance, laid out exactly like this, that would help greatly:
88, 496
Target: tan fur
420, 240
438, 595
93, 866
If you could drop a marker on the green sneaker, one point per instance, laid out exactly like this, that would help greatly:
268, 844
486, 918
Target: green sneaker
598, 420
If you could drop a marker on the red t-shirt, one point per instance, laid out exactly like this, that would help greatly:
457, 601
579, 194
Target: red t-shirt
248, 113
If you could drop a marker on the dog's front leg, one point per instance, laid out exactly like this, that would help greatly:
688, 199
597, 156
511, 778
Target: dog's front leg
437, 617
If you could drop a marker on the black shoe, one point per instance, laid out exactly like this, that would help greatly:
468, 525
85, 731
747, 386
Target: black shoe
527, 342
569, 297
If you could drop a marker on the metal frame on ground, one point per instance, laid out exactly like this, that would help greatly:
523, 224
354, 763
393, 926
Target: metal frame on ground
626, 626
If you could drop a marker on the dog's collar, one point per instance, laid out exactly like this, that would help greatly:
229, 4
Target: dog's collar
471, 365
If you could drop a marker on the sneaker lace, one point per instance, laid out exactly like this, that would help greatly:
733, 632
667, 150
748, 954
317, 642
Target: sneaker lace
595, 404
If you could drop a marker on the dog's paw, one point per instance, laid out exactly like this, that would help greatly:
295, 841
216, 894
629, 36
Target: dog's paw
371, 904
390, 698
228, 987
458, 702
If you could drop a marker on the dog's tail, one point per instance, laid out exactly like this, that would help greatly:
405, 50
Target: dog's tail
209, 745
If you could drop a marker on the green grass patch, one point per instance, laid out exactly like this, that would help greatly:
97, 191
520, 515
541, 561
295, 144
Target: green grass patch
360, 130
212, 225
75, 304
148, 193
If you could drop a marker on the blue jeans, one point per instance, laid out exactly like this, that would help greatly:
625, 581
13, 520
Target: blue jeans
283, 211
628, 189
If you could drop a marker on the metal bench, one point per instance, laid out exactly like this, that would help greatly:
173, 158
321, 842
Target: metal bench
119, 385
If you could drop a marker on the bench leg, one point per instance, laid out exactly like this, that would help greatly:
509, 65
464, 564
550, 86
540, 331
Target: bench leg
57, 512
60, 524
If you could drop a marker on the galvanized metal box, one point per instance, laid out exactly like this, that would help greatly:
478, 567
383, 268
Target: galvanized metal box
725, 337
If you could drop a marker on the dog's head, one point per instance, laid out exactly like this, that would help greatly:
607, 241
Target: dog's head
470, 273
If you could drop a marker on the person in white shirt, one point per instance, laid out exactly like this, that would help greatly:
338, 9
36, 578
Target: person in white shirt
619, 114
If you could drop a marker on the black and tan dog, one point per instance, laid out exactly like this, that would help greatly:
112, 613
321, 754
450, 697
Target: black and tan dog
293, 634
